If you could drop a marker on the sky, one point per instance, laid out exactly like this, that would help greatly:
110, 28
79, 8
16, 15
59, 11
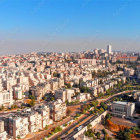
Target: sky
68, 25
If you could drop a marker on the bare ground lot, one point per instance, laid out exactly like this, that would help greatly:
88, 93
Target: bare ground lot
121, 121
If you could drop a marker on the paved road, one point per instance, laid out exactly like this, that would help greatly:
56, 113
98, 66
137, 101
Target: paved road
69, 136
68, 128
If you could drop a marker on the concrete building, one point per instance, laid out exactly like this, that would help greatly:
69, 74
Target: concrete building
58, 110
6, 98
17, 126
83, 97
138, 68
3, 134
35, 121
123, 109
109, 49
64, 94
45, 113
87, 61
129, 72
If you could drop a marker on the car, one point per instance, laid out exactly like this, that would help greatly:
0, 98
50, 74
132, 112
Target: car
79, 128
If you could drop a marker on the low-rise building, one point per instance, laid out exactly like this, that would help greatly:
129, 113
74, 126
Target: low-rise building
83, 97
6, 98
122, 109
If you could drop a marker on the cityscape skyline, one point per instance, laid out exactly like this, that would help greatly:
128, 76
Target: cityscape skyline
68, 25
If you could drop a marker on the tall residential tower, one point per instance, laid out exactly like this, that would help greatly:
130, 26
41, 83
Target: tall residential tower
109, 49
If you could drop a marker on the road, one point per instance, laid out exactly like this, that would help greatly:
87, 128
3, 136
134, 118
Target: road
69, 136
68, 128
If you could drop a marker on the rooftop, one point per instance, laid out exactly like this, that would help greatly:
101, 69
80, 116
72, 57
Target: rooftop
119, 102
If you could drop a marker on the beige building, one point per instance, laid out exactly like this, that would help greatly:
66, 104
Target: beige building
87, 61
83, 97
58, 109
123, 109
17, 126
6, 98
45, 113
35, 121
3, 134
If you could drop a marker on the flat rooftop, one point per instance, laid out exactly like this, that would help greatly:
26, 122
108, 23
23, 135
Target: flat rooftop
119, 102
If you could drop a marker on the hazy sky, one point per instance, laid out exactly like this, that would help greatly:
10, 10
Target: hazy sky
68, 25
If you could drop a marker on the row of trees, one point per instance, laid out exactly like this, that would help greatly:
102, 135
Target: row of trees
126, 133
96, 135
101, 74
57, 129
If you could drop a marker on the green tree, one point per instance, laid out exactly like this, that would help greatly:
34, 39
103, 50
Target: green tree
68, 112
32, 103
98, 134
46, 127
89, 126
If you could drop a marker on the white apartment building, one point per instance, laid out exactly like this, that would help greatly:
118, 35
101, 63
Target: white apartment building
83, 97
123, 109
128, 72
87, 61
3, 134
64, 94
35, 121
6, 98
18, 126
17, 92
45, 113
138, 68
58, 109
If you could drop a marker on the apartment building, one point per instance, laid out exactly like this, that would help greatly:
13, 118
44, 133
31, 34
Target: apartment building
16, 126
58, 109
64, 94
45, 113
138, 68
83, 97
129, 72
87, 61
17, 92
35, 121
3, 133
6, 98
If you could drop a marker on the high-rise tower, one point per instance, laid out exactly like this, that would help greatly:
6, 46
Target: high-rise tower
109, 49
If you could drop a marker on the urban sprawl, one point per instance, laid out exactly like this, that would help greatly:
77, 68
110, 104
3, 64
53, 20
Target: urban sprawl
39, 92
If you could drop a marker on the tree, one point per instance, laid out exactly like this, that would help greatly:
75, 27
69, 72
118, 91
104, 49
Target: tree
89, 133
101, 110
104, 131
102, 104
68, 85
32, 97
58, 138
89, 126
108, 117
98, 134
84, 111
52, 98
46, 127
44, 98
68, 111
32, 103
109, 138
18, 137
105, 107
